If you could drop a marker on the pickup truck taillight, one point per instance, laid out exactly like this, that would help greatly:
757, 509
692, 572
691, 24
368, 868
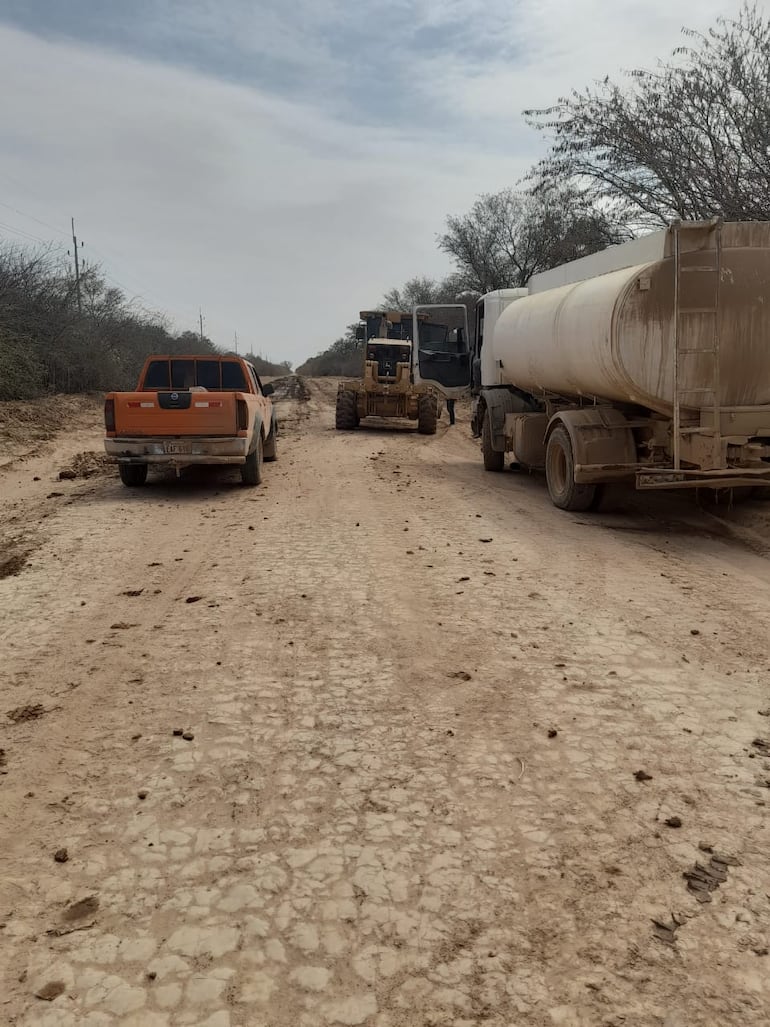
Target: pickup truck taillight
243, 415
109, 414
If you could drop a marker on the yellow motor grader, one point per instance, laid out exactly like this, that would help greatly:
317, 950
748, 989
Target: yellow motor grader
411, 362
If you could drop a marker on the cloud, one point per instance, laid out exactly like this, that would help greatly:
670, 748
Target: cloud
283, 165
278, 219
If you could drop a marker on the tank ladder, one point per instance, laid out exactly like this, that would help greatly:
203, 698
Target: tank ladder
706, 344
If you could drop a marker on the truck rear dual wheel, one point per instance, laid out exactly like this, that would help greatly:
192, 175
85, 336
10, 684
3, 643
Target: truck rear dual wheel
251, 471
133, 475
560, 475
493, 460
427, 415
346, 414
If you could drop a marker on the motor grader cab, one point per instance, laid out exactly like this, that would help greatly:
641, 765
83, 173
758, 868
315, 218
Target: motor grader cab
387, 340
411, 361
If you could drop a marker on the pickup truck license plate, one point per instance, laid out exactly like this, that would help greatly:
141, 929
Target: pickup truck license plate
174, 448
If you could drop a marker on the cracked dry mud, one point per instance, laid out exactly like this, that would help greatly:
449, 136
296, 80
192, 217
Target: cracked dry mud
370, 823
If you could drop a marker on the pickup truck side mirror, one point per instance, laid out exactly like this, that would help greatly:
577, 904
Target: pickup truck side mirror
267, 390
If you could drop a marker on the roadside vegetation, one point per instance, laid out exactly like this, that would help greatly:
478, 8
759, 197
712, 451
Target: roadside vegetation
52, 340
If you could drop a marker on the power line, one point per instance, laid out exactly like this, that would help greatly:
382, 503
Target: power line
136, 291
22, 233
31, 217
141, 293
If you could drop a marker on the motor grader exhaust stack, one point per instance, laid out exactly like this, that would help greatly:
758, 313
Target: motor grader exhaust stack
398, 348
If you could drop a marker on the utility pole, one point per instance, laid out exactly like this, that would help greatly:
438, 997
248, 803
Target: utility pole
200, 315
236, 344
77, 268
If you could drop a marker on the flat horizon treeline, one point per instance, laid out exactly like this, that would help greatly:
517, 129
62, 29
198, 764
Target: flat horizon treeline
343, 358
50, 342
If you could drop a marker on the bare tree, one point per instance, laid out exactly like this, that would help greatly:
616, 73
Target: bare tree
690, 139
507, 237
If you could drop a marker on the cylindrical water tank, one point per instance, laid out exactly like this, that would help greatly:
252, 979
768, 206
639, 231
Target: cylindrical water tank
612, 337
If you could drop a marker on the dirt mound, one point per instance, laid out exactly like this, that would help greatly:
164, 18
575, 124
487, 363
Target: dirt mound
291, 386
43, 418
87, 465
24, 425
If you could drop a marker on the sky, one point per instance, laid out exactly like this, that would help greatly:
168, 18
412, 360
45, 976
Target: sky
281, 164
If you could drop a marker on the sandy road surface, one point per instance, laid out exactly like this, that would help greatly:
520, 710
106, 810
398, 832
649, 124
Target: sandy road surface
419, 697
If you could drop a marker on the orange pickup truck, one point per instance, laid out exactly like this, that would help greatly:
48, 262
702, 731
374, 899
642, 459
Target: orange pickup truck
192, 410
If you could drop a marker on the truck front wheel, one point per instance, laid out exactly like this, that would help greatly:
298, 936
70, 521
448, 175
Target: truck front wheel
560, 475
427, 415
493, 460
251, 471
133, 475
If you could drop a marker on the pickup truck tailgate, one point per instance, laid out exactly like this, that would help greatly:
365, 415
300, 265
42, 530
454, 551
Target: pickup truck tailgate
175, 413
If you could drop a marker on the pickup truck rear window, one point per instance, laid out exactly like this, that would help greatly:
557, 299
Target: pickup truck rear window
208, 374
157, 375
214, 375
182, 374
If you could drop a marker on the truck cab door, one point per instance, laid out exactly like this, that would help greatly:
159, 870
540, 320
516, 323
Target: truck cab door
441, 354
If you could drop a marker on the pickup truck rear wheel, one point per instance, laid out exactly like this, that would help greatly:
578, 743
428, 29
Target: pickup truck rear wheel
271, 450
133, 475
493, 461
251, 471
560, 475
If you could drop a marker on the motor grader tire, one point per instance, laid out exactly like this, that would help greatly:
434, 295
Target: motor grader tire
251, 471
493, 461
560, 475
427, 415
346, 414
133, 475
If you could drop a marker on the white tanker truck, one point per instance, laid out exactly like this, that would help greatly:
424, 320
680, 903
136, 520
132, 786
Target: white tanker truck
648, 362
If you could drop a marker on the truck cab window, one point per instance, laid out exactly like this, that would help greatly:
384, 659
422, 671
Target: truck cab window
254, 379
442, 347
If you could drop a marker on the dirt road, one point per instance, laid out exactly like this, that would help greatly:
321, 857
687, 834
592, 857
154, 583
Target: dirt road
453, 750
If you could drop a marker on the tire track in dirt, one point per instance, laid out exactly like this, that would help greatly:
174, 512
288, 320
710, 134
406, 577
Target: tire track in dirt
374, 822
